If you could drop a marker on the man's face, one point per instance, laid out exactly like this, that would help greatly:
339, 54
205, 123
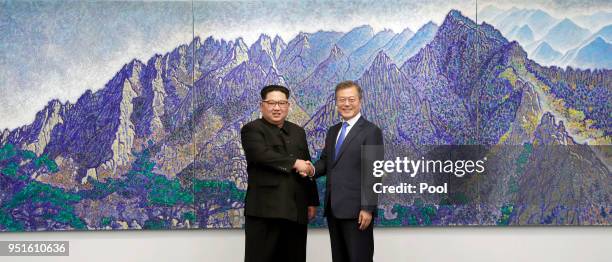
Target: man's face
348, 102
275, 107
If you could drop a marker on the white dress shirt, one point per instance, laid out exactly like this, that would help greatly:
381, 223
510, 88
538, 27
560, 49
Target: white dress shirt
351, 123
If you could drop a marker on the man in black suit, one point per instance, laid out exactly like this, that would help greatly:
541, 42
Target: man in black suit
279, 202
349, 215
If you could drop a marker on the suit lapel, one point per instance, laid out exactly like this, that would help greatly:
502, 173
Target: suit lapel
347, 140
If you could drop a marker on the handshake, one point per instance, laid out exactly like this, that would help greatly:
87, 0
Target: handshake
304, 168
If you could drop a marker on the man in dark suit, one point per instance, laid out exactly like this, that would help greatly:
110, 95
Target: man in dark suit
279, 202
349, 214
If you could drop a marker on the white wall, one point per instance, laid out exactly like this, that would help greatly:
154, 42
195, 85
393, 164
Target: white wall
392, 244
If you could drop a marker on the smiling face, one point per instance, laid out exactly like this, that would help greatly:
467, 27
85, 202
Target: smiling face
275, 108
348, 102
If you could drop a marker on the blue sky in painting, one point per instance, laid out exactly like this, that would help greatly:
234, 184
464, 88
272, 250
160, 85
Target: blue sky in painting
58, 49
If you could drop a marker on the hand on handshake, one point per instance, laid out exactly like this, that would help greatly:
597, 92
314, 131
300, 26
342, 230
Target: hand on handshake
305, 168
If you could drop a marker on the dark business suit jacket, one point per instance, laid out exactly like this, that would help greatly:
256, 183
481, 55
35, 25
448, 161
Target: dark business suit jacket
344, 194
275, 190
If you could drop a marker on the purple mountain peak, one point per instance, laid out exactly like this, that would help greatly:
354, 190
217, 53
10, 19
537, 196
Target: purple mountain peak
211, 44
298, 45
278, 41
455, 14
132, 67
263, 37
263, 43
134, 62
155, 57
336, 52
382, 59
196, 43
263, 52
382, 63
303, 36
54, 102
240, 50
210, 41
240, 43
278, 45
300, 42
455, 21
55, 105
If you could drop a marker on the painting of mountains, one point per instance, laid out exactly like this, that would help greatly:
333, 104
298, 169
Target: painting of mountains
101, 129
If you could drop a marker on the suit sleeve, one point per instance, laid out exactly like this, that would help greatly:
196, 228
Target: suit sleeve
321, 164
374, 138
313, 192
259, 152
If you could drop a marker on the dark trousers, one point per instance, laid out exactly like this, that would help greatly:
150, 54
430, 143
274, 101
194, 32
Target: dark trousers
274, 239
348, 243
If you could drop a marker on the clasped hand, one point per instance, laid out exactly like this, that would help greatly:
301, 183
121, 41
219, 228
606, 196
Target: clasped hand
304, 168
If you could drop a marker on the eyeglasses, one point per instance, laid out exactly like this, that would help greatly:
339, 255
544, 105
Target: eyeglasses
350, 100
272, 103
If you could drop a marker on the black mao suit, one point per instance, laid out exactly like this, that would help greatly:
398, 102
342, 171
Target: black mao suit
343, 197
277, 196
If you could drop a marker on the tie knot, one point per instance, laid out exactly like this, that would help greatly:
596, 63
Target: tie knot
345, 124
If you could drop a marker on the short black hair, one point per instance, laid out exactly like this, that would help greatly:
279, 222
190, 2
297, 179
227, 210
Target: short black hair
270, 88
349, 84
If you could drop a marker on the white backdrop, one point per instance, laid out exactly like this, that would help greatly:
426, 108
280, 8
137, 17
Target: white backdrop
395, 244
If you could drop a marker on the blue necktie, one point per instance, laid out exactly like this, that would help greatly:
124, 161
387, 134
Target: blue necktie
341, 139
